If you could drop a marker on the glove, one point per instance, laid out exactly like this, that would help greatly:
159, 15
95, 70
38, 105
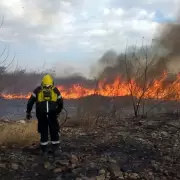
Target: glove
28, 116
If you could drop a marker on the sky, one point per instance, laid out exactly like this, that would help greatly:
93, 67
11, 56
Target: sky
71, 35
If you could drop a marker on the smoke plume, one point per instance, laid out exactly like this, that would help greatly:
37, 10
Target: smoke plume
162, 55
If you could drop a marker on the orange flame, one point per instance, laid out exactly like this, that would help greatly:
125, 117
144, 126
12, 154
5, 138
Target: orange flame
118, 87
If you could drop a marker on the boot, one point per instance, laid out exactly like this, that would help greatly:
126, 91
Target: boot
44, 149
56, 150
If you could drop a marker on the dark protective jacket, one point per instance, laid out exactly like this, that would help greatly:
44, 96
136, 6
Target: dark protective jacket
47, 101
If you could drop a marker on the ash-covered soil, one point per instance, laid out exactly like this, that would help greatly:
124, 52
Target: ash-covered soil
124, 149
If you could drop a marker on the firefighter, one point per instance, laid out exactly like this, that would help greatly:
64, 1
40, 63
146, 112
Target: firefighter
49, 104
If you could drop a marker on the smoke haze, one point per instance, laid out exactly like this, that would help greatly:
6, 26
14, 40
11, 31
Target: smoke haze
163, 55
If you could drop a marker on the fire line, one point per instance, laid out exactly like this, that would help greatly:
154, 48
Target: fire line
118, 87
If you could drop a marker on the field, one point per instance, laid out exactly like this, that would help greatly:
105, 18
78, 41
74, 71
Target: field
98, 142
14, 109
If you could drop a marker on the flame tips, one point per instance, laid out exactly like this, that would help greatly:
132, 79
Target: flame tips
118, 87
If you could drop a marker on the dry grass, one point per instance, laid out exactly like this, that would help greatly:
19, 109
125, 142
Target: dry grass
18, 134
25, 134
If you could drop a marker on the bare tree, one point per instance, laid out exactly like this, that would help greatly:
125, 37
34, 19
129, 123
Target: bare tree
5, 63
140, 80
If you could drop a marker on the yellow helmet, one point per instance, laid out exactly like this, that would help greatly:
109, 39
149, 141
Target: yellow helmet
47, 80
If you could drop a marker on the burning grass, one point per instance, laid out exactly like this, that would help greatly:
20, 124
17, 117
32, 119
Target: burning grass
18, 134
156, 89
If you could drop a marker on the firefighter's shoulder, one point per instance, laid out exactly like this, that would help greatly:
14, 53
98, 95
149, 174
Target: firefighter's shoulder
56, 90
36, 91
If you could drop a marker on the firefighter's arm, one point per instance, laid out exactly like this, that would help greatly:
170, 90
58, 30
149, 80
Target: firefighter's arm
31, 101
60, 102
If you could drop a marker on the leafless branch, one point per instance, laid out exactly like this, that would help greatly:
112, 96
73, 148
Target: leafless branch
2, 53
2, 22
5, 59
7, 66
140, 75
4, 64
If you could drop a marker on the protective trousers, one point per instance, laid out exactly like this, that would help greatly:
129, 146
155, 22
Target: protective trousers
48, 124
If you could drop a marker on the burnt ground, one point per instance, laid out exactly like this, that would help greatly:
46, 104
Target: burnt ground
126, 149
